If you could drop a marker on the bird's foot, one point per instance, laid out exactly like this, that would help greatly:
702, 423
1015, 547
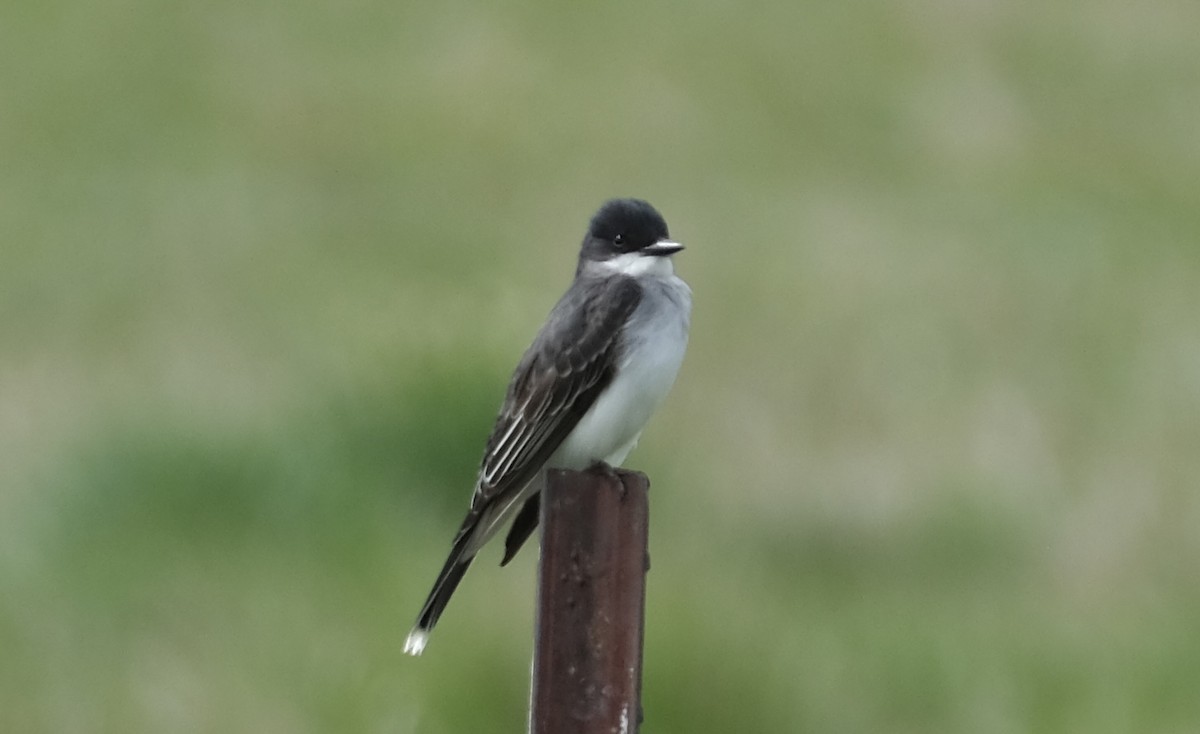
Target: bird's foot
604, 469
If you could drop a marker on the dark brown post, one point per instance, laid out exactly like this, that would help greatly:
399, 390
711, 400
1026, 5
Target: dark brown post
587, 663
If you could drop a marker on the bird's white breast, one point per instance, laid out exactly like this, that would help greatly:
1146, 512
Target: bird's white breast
654, 343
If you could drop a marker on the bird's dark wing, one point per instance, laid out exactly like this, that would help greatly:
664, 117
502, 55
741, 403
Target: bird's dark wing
568, 365
522, 527
558, 379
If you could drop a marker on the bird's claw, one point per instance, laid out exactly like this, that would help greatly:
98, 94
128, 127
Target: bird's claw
604, 469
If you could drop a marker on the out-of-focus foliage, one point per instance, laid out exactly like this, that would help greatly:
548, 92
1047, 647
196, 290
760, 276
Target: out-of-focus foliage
931, 465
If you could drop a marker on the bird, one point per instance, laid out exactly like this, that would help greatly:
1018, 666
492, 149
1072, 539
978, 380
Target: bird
606, 356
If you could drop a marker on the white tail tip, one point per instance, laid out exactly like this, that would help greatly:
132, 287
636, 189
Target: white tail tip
415, 644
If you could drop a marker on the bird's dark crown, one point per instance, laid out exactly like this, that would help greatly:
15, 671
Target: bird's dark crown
626, 225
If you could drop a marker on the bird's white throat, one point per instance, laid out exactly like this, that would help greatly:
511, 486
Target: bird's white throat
637, 264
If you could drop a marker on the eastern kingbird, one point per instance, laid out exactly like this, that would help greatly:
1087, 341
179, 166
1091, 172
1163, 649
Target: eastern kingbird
603, 361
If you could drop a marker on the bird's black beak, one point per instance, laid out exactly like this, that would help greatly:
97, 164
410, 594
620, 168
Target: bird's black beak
662, 248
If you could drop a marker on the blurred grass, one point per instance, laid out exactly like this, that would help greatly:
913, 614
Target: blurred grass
931, 464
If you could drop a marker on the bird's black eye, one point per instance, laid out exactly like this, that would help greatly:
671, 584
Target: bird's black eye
619, 239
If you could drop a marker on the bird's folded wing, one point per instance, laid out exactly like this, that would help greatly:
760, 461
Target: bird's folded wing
568, 365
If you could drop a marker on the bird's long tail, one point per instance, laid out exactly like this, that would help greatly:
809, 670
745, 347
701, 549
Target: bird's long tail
439, 597
479, 525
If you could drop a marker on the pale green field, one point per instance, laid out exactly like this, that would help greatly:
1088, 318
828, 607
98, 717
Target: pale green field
931, 465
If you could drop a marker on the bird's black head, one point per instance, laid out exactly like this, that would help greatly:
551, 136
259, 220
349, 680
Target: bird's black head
626, 225
624, 233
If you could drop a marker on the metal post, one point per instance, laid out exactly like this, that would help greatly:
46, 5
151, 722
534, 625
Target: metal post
587, 663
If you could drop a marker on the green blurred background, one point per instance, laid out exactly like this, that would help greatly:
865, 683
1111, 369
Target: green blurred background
931, 464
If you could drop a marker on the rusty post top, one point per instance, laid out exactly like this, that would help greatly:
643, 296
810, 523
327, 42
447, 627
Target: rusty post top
591, 598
